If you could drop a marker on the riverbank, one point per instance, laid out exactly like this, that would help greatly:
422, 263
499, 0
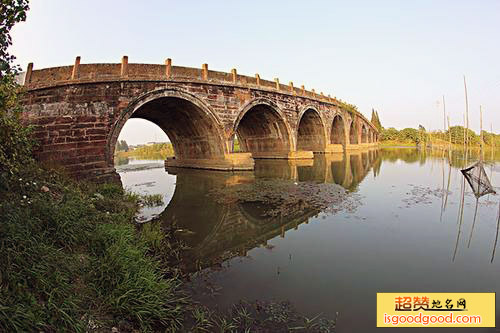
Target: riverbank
434, 144
155, 151
74, 260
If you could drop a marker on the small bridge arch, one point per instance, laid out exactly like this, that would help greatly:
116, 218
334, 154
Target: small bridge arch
337, 134
311, 130
190, 124
263, 130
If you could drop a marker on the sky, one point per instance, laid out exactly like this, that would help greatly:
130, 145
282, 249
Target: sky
399, 57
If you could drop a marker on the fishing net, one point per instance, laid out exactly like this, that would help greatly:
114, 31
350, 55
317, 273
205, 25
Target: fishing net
478, 180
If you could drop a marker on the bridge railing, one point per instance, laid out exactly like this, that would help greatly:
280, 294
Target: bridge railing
124, 71
46, 77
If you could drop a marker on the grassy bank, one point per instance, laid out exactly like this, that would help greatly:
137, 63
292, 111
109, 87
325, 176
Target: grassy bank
73, 260
157, 151
435, 144
397, 143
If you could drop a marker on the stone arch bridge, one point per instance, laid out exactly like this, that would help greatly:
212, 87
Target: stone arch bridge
79, 110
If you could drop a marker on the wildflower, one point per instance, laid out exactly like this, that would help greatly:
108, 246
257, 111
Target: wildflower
24, 197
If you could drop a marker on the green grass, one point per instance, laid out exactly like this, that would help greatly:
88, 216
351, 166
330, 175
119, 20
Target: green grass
72, 259
396, 143
152, 200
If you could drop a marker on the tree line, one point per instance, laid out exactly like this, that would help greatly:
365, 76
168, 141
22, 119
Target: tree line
456, 134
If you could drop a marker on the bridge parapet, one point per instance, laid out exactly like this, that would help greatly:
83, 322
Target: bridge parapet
99, 72
104, 72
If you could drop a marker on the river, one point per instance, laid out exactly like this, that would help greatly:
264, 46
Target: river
400, 233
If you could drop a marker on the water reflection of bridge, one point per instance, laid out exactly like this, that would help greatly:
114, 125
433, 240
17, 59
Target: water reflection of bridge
347, 170
224, 230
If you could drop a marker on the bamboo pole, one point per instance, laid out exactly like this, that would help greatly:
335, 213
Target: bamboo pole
466, 111
449, 133
448, 186
481, 131
444, 115
473, 223
464, 133
496, 237
493, 139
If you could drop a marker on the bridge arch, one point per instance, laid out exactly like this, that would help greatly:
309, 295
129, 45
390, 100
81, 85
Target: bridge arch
193, 128
364, 133
262, 129
311, 134
337, 133
353, 133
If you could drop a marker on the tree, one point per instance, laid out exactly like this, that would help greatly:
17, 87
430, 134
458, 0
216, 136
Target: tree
11, 12
376, 121
15, 142
457, 135
389, 134
409, 134
491, 138
422, 134
124, 145
121, 145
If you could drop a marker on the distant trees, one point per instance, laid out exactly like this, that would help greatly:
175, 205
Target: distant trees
121, 145
409, 135
376, 120
421, 136
457, 135
389, 134
491, 138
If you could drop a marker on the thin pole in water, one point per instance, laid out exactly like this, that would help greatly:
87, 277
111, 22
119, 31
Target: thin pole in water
481, 130
466, 111
464, 132
492, 140
449, 135
473, 223
458, 237
447, 187
496, 237
444, 115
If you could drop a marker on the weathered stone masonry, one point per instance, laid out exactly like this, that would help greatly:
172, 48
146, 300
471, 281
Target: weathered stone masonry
80, 110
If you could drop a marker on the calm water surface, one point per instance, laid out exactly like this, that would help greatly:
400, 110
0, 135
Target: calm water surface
401, 238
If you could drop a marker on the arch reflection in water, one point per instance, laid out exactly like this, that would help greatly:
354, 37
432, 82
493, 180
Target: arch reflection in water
216, 231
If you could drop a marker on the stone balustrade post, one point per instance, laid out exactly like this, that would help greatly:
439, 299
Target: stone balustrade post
168, 68
29, 71
76, 69
124, 68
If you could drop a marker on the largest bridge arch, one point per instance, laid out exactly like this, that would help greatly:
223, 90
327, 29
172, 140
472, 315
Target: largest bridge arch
78, 112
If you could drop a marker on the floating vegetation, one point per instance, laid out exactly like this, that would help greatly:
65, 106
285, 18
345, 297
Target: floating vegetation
258, 316
283, 198
424, 195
